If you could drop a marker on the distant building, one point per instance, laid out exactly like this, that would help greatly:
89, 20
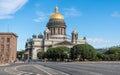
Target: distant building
54, 35
8, 47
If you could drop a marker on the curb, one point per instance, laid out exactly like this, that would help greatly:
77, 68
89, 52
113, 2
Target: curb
4, 64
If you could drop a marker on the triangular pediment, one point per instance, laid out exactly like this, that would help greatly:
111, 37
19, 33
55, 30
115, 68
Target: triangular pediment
64, 43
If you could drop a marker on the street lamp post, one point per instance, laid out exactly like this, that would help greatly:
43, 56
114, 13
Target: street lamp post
19, 56
64, 53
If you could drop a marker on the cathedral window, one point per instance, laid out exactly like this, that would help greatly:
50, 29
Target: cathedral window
58, 30
61, 30
47, 36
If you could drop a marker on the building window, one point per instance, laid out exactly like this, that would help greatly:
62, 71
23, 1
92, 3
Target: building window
8, 47
2, 40
8, 39
47, 36
58, 30
33, 43
52, 31
2, 48
61, 30
64, 32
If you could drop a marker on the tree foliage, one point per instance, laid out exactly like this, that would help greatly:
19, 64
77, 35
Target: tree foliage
101, 56
57, 53
113, 53
83, 51
80, 52
41, 55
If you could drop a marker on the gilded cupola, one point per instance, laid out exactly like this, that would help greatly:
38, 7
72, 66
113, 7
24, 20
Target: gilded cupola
56, 14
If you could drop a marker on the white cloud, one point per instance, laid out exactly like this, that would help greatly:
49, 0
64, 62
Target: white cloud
101, 40
71, 12
39, 19
115, 14
42, 16
5, 16
67, 12
9, 7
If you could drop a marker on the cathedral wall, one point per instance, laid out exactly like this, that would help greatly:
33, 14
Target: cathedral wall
38, 42
79, 41
35, 51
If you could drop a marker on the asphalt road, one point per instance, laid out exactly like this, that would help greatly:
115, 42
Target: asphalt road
62, 68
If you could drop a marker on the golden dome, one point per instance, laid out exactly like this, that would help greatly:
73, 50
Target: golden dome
56, 14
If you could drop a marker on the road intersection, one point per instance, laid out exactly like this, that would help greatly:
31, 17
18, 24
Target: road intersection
62, 68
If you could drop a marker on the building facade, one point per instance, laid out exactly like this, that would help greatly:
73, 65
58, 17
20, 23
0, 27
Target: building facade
8, 47
54, 35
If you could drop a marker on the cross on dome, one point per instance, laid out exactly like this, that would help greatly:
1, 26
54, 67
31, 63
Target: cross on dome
56, 9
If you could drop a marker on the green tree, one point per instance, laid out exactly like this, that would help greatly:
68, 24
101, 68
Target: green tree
113, 53
101, 56
41, 55
83, 51
115, 50
57, 53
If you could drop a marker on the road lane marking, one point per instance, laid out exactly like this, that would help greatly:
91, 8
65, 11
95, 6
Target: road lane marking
50, 71
23, 71
13, 70
42, 70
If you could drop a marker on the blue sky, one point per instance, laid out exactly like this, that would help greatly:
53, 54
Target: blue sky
98, 20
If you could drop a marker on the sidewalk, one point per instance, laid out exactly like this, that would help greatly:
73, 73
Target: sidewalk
20, 62
6, 64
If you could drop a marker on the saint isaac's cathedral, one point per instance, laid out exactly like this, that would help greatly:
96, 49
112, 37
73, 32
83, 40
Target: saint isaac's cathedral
54, 35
